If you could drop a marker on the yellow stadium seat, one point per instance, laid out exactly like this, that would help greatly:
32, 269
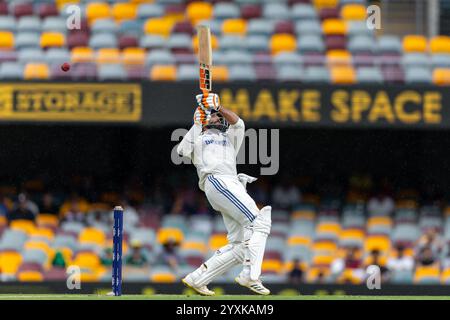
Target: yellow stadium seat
323, 259
313, 273
92, 235
36, 71
381, 243
320, 4
303, 215
339, 58
87, 260
217, 241
194, 245
343, 75
10, 262
322, 246
133, 56
97, 10
349, 276
124, 11
234, 26
45, 219
298, 240
334, 27
158, 26
198, 10
288, 265
441, 76
89, 276
383, 221
426, 272
282, 42
445, 276
30, 276
353, 12
328, 227
52, 39
43, 232
163, 73
440, 44
26, 226
382, 260
163, 277
108, 55
220, 73
82, 54
61, 3
214, 43
351, 234
415, 43
40, 245
166, 234
6, 40
272, 265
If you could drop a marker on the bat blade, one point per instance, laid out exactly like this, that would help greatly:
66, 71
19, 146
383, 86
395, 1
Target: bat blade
205, 57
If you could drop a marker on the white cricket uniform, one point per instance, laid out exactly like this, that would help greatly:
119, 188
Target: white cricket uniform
214, 155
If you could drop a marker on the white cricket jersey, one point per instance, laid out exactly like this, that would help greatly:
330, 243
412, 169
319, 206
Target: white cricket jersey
213, 151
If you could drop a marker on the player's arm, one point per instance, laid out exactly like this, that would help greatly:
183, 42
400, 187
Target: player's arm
186, 146
229, 115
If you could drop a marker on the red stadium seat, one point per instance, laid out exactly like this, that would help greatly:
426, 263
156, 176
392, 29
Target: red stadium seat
251, 11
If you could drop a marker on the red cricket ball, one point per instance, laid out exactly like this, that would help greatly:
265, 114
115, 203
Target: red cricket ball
65, 67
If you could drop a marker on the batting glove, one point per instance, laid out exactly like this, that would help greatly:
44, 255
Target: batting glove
208, 101
244, 179
201, 116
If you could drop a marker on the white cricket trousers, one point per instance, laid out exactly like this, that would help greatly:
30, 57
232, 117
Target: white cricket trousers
228, 196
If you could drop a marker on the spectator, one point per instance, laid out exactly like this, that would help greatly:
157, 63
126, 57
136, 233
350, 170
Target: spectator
58, 260
130, 215
296, 273
350, 261
74, 212
430, 239
381, 203
374, 260
286, 195
48, 205
401, 262
22, 210
3, 206
107, 257
426, 258
169, 256
137, 258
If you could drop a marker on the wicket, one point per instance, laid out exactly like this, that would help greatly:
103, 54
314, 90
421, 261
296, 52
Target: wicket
117, 251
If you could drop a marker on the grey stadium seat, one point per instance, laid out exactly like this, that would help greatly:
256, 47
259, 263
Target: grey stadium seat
237, 57
369, 75
257, 42
111, 72
361, 44
72, 226
260, 26
57, 55
289, 73
317, 75
359, 28
33, 255
152, 42
103, 40
150, 10
31, 55
308, 27
418, 75
145, 236
232, 42
54, 24
226, 11
440, 60
242, 72
8, 23
303, 11
389, 44
179, 41
187, 72
411, 60
405, 232
288, 59
27, 40
310, 43
104, 25
276, 11
61, 241
29, 24
11, 70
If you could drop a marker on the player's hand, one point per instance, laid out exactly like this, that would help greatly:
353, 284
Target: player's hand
208, 101
201, 116
244, 179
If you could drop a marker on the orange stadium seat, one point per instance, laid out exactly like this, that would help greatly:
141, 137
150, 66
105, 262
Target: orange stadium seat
158, 26
214, 43
36, 71
272, 266
352, 234
43, 232
334, 27
133, 56
194, 245
26, 226
124, 11
380, 243
343, 75
217, 241
6, 40
323, 259
87, 260
440, 44
220, 73
163, 277
47, 220
30, 276
441, 76
198, 10
166, 234
328, 227
52, 39
303, 215
283, 42
336, 58
427, 273
82, 54
415, 43
10, 262
234, 26
353, 12
320, 4
97, 10
108, 55
163, 73
92, 235
324, 246
298, 240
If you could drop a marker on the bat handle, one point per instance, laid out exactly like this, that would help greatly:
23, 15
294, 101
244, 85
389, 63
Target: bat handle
205, 92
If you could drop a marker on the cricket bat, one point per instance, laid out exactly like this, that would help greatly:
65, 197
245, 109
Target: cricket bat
205, 58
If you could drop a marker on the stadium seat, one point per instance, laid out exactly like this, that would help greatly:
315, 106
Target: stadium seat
106, 25
334, 27
52, 39
108, 56
415, 43
82, 54
103, 40
6, 40
260, 26
197, 11
353, 12
30, 276
187, 72
275, 11
319, 4
54, 24
343, 75
166, 234
97, 10
29, 24
27, 40
92, 235
234, 26
10, 262
162, 275
150, 10
441, 76
339, 58
124, 11
220, 73
427, 275
282, 43
133, 56
251, 11
224, 10
440, 44
88, 260
25, 226
418, 75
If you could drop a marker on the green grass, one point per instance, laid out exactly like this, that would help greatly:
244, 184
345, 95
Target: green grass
196, 297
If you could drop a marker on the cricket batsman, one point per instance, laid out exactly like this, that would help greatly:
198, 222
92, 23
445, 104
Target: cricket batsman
212, 144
